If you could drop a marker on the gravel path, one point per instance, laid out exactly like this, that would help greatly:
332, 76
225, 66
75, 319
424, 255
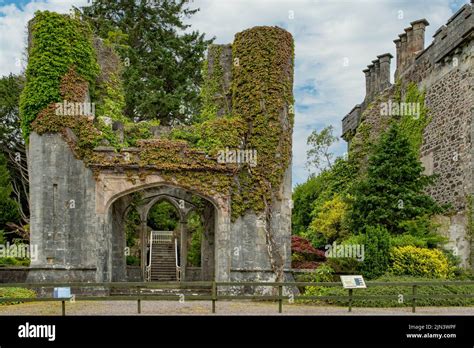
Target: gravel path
204, 308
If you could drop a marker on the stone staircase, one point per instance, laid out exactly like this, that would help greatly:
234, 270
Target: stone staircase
163, 262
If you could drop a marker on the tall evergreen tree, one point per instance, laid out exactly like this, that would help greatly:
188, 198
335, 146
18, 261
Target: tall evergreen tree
8, 206
393, 190
163, 60
12, 145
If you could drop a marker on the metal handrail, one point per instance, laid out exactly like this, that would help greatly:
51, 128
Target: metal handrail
148, 268
178, 268
162, 236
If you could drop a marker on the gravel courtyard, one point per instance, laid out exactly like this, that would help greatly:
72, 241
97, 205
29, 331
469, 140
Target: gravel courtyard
204, 308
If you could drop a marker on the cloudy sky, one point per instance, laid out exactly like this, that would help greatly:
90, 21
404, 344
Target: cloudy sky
334, 41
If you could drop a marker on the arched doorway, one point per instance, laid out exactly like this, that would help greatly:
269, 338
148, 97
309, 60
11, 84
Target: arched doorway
172, 236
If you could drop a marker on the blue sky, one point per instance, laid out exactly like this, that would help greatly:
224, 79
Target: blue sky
334, 41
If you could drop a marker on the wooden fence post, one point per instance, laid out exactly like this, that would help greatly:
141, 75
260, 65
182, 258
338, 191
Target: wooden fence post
280, 299
139, 302
214, 296
413, 307
350, 300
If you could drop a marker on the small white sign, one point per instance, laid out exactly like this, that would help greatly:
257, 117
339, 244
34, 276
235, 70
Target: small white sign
62, 293
353, 282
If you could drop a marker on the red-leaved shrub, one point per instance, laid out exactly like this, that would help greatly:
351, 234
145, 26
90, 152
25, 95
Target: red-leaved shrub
303, 254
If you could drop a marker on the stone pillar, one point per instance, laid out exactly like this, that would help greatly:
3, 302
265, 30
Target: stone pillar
384, 74
371, 81
403, 51
398, 64
377, 76
262, 95
367, 82
409, 47
418, 39
183, 248
207, 243
144, 247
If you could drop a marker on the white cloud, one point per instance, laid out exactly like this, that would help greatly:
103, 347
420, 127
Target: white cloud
13, 23
326, 32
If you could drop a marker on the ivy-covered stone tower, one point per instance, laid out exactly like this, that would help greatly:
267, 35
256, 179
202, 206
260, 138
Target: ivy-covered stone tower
87, 165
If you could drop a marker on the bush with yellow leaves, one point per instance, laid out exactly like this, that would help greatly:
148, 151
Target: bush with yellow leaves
420, 262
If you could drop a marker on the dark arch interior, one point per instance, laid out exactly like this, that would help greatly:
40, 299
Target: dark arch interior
143, 221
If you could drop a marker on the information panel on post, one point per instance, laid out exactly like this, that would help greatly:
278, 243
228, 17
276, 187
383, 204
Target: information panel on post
353, 282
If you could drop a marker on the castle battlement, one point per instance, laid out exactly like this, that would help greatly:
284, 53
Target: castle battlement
413, 60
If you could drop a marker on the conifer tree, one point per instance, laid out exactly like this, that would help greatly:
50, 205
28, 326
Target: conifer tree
162, 60
393, 189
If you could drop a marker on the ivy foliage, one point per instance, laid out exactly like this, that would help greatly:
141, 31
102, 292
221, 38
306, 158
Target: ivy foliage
412, 126
58, 42
261, 117
214, 94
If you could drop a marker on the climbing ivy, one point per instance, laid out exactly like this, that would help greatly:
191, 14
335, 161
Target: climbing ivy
262, 96
413, 125
58, 42
261, 117
212, 93
470, 215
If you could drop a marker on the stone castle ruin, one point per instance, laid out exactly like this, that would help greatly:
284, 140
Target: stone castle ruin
87, 171
442, 73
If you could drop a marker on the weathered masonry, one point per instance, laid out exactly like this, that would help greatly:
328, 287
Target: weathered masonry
444, 71
84, 175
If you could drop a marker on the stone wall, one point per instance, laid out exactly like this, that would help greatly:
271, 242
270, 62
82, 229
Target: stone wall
62, 204
13, 274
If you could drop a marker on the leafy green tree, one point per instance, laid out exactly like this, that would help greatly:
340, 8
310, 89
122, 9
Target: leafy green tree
303, 197
310, 200
318, 155
162, 60
393, 190
163, 217
330, 221
196, 230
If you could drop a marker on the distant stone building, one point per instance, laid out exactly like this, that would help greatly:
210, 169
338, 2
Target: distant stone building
444, 70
